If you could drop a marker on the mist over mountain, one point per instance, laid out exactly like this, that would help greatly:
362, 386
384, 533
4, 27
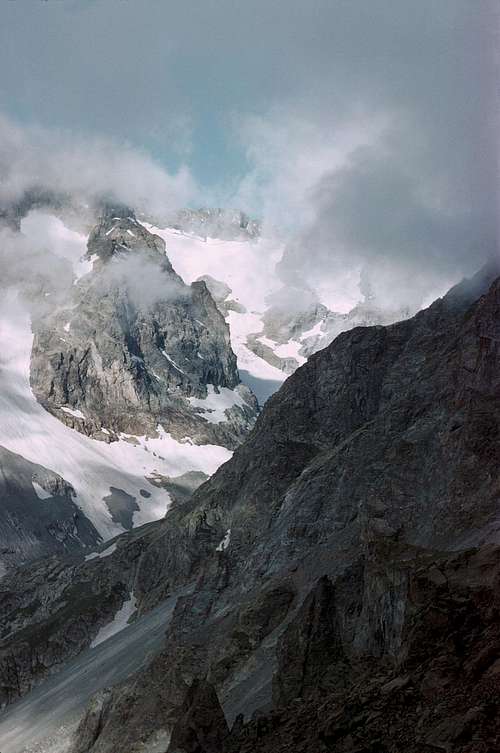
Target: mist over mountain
249, 377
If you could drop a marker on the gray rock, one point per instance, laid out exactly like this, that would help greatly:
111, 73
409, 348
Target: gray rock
220, 292
224, 224
38, 514
132, 344
202, 726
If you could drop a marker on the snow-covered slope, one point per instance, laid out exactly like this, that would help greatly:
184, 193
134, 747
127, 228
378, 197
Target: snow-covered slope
248, 268
94, 468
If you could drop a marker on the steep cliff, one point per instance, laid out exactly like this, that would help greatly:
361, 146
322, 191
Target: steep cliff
133, 347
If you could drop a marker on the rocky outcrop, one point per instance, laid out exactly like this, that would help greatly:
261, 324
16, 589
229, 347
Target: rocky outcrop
224, 224
221, 293
297, 324
266, 352
312, 635
365, 314
38, 514
437, 695
93, 722
133, 345
201, 726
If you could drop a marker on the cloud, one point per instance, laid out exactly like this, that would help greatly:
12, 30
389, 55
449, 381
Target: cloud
365, 132
288, 151
34, 274
388, 216
48, 233
87, 169
387, 169
146, 284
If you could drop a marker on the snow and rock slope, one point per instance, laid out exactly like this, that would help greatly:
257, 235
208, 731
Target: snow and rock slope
130, 344
245, 271
38, 515
116, 376
93, 468
274, 328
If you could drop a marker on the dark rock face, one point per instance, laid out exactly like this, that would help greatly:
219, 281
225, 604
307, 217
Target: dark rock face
380, 447
202, 726
327, 568
133, 344
311, 636
439, 694
373, 459
38, 516
93, 722
51, 611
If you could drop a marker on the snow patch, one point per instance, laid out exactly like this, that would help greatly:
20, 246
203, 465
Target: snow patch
225, 542
240, 327
315, 331
73, 412
100, 555
171, 360
84, 266
290, 350
119, 622
213, 407
40, 492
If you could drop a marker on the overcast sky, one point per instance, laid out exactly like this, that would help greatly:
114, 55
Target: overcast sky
364, 126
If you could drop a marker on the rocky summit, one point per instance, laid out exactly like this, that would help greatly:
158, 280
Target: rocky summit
131, 347
333, 587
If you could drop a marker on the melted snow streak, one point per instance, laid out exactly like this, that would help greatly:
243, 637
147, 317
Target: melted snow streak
44, 720
225, 542
118, 623
90, 466
100, 555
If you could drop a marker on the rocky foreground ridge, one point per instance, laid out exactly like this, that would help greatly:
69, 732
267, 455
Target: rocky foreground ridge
335, 583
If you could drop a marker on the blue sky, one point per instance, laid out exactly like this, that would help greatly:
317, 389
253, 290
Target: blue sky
168, 76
